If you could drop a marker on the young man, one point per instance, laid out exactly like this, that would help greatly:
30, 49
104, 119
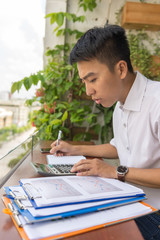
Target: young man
103, 60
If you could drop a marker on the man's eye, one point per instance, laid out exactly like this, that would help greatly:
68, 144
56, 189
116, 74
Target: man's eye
93, 80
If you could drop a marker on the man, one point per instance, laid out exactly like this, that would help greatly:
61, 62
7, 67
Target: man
103, 60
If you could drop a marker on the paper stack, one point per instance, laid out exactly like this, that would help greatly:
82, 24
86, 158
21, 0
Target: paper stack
76, 204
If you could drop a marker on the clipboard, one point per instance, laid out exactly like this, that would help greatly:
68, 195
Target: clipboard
72, 233
11, 195
25, 212
70, 185
31, 219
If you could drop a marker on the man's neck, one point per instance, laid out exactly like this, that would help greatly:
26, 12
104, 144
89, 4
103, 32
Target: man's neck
128, 82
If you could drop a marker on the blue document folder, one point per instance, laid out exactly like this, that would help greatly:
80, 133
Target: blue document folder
61, 212
60, 191
31, 219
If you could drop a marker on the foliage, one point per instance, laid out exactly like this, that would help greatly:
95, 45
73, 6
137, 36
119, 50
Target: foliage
9, 132
88, 4
25, 147
142, 48
60, 87
14, 161
60, 17
106, 131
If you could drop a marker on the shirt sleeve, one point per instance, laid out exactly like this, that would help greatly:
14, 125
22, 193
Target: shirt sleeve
112, 142
158, 123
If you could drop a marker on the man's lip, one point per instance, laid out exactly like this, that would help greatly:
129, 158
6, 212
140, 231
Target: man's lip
97, 100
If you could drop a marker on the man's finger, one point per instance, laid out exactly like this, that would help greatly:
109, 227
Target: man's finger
81, 162
53, 144
81, 167
84, 173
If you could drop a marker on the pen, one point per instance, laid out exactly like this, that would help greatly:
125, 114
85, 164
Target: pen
59, 137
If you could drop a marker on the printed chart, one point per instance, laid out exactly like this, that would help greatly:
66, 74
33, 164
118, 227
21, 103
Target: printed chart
55, 188
94, 185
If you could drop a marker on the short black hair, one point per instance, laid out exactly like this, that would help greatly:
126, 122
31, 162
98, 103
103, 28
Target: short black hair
107, 44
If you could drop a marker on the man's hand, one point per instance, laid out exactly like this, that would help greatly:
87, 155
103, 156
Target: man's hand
62, 149
96, 167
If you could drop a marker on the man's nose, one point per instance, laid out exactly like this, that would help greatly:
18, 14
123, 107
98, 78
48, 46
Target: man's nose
89, 90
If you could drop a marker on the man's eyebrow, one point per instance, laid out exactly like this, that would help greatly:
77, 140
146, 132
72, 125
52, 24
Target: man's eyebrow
88, 75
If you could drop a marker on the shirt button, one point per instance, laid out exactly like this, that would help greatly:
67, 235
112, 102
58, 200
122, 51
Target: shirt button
124, 125
127, 148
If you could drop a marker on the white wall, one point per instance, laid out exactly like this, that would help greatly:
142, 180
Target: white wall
98, 17
50, 39
106, 9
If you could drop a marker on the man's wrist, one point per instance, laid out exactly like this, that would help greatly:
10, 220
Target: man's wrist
121, 172
76, 150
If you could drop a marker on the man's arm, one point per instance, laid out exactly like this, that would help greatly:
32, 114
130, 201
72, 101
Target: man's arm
103, 150
144, 177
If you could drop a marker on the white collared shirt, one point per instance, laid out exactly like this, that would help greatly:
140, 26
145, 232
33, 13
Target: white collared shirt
136, 127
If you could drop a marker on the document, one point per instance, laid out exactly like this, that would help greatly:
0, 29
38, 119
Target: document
70, 225
52, 159
32, 215
57, 191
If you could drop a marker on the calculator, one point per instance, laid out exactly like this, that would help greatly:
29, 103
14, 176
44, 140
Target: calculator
53, 170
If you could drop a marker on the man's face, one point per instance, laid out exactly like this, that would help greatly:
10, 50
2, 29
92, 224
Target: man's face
101, 84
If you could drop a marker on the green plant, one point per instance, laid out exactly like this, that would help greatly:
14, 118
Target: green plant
106, 131
9, 132
143, 48
16, 160
60, 86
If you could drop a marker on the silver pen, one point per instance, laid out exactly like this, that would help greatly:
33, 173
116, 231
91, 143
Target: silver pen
59, 137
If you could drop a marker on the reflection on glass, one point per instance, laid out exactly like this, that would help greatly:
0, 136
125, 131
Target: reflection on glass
12, 159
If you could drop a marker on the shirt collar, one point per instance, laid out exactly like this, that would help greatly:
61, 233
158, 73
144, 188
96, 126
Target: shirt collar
135, 96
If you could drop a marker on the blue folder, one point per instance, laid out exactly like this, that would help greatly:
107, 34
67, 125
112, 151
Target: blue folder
31, 219
125, 198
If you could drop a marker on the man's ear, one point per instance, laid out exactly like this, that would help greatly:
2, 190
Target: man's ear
122, 69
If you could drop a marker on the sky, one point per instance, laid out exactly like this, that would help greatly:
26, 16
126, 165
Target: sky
22, 29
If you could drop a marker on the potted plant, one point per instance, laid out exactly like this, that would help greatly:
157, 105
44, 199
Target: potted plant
59, 84
145, 54
138, 15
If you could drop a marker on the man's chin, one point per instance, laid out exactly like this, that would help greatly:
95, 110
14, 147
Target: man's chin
106, 105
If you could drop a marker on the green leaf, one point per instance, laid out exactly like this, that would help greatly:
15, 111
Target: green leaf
68, 16
40, 77
49, 15
56, 122
59, 32
55, 30
27, 83
60, 19
65, 115
82, 18
97, 128
53, 18
29, 102
14, 87
34, 79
